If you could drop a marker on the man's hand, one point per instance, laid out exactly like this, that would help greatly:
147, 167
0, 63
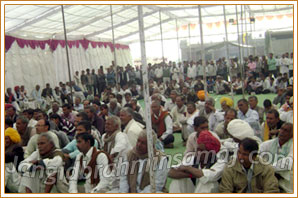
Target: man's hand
273, 132
66, 155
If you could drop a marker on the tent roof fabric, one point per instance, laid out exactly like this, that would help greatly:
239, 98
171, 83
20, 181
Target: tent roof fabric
94, 21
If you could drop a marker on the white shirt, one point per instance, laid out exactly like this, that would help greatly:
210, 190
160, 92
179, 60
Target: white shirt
122, 145
169, 126
103, 171
132, 130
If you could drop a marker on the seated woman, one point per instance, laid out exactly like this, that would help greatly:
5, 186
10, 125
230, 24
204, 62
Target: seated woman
201, 175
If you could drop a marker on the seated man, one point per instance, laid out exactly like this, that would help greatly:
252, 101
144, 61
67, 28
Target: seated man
131, 127
14, 154
71, 150
249, 115
253, 104
209, 112
162, 123
281, 149
115, 143
202, 174
221, 129
247, 173
42, 126
43, 168
187, 122
138, 179
270, 128
178, 113
200, 124
91, 163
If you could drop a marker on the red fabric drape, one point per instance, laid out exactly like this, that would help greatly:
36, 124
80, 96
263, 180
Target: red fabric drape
54, 43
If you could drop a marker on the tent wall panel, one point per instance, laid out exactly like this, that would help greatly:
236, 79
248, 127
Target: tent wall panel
29, 67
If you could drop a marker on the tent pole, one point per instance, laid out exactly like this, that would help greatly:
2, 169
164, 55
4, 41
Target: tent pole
177, 41
246, 36
161, 37
240, 54
115, 60
67, 55
202, 50
146, 98
190, 56
228, 50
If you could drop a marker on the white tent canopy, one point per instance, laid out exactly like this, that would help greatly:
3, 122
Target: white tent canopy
93, 22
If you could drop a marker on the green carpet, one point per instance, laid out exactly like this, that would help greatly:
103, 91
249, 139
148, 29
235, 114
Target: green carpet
178, 144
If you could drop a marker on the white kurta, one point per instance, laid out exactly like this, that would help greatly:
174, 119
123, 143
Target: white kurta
106, 177
132, 130
36, 180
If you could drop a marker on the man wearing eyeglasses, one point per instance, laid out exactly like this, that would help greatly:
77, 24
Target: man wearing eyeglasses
42, 126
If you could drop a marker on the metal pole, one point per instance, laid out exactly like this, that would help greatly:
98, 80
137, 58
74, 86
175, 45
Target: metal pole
115, 61
203, 51
241, 14
228, 50
240, 54
146, 98
161, 37
67, 55
246, 37
177, 40
190, 56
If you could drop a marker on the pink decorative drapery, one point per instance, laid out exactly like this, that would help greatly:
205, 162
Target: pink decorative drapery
53, 43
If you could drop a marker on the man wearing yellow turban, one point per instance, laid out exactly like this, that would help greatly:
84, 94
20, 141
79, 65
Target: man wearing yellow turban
13, 153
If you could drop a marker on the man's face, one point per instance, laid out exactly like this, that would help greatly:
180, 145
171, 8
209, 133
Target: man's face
56, 121
40, 116
271, 120
173, 96
66, 111
243, 157
179, 102
77, 120
77, 101
155, 108
41, 127
125, 118
142, 145
80, 129
242, 107
20, 125
201, 127
190, 108
82, 145
110, 126
44, 146
127, 98
229, 117
86, 103
55, 108
208, 106
285, 133
89, 113
224, 106
10, 112
8, 141
252, 103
